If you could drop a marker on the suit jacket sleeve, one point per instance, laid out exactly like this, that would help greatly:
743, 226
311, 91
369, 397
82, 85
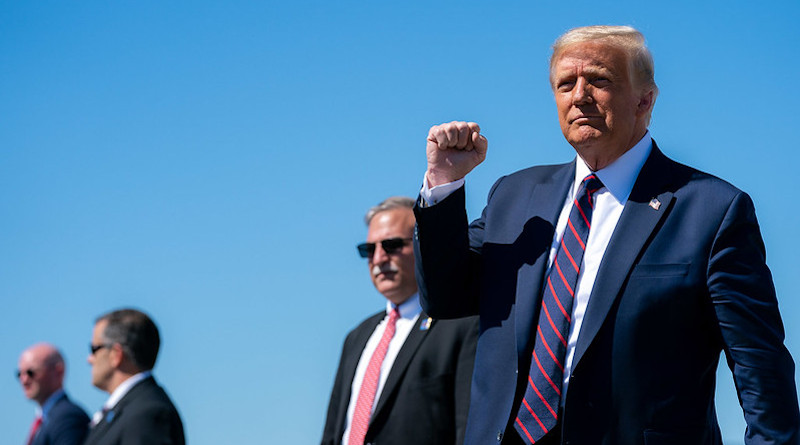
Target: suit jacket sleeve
447, 251
746, 307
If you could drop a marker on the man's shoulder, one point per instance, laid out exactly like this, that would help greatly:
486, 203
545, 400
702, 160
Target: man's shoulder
65, 407
148, 395
687, 179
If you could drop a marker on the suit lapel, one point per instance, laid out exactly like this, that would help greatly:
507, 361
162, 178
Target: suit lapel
530, 276
637, 223
113, 415
350, 363
401, 362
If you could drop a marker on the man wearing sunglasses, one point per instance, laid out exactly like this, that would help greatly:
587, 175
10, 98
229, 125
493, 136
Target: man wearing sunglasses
403, 377
123, 352
59, 421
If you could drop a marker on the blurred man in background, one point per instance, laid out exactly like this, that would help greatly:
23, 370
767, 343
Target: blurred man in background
58, 420
124, 348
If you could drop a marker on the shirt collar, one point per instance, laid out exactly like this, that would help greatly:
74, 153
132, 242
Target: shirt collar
124, 387
619, 177
408, 309
48, 404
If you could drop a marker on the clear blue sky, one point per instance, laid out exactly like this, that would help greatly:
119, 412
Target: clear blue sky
210, 163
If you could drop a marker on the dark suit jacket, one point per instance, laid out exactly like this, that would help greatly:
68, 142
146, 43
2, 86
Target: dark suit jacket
426, 395
67, 424
144, 416
678, 283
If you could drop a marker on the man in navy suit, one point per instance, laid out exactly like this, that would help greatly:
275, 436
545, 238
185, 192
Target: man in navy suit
59, 421
419, 391
123, 351
672, 273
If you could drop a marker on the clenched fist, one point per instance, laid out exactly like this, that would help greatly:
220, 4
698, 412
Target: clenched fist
453, 150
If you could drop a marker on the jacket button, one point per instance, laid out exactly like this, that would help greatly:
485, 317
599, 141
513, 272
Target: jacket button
499, 436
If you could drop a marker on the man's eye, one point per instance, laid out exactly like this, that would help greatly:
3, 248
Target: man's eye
601, 82
565, 86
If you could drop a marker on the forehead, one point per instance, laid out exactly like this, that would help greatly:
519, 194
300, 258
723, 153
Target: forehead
394, 222
591, 57
28, 358
99, 327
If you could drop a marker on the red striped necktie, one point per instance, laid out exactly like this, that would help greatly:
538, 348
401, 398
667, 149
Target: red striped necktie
538, 413
34, 429
366, 395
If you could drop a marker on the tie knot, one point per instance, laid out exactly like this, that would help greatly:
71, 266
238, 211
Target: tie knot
591, 183
394, 315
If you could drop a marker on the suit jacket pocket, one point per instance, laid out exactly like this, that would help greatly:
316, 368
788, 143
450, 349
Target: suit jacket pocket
660, 270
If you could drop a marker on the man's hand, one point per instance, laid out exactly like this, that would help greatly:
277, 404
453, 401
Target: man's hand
454, 149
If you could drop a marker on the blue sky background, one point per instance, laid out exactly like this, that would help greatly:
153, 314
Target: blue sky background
210, 163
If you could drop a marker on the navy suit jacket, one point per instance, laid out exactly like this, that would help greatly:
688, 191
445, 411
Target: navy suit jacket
144, 416
66, 424
426, 395
679, 282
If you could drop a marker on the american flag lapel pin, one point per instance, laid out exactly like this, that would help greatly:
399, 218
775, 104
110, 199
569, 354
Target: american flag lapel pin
655, 203
426, 324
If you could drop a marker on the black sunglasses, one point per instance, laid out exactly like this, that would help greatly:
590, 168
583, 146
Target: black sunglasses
28, 372
94, 348
390, 246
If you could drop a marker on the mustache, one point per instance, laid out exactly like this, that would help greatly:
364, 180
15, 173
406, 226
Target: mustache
389, 267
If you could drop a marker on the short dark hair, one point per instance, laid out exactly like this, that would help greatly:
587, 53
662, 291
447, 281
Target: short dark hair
136, 333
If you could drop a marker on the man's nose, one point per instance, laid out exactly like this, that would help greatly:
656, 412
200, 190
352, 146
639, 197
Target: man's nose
581, 93
380, 255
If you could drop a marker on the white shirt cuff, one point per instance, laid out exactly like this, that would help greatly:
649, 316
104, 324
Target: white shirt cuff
432, 196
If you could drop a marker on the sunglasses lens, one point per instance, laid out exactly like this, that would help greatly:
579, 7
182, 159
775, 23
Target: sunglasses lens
27, 372
366, 250
392, 245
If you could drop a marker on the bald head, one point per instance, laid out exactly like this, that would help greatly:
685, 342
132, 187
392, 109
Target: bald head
41, 371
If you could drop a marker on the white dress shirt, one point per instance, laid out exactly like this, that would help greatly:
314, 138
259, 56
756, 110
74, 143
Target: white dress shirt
618, 179
119, 393
409, 312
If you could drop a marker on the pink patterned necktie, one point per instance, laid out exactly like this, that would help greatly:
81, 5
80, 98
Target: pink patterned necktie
366, 396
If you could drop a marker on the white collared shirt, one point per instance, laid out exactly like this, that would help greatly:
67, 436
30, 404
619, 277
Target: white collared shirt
119, 393
618, 180
409, 312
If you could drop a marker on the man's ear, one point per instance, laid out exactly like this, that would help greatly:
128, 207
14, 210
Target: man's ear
116, 355
646, 101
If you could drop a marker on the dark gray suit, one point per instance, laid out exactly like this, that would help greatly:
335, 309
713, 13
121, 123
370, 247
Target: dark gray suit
144, 416
426, 395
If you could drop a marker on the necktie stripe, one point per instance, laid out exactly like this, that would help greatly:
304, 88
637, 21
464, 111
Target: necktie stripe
555, 387
577, 237
549, 351
553, 325
558, 302
569, 255
541, 397
564, 281
545, 377
583, 215
555, 295
526, 430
